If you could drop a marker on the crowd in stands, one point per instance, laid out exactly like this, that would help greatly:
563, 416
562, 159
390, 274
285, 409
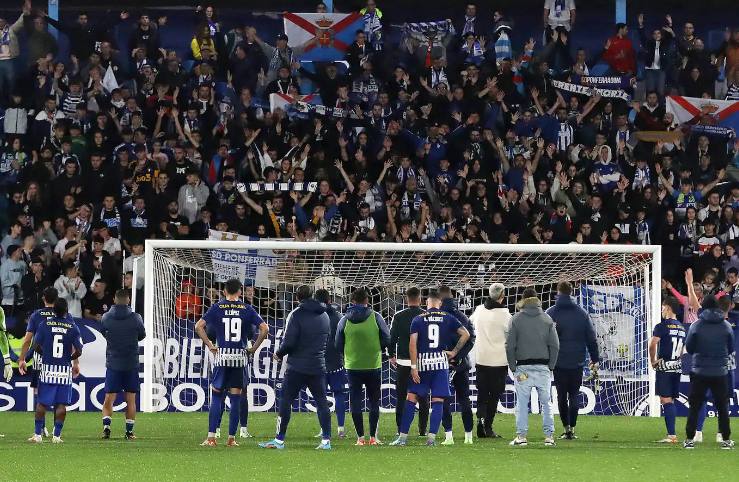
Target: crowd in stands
466, 141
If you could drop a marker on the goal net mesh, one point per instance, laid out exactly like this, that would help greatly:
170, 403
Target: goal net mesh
613, 288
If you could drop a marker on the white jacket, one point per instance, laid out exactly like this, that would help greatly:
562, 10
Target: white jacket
491, 328
70, 290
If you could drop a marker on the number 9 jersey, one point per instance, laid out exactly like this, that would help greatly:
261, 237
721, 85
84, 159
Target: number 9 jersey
436, 329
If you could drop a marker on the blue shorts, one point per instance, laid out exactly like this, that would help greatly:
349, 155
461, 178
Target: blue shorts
434, 381
337, 381
668, 384
51, 394
225, 378
117, 381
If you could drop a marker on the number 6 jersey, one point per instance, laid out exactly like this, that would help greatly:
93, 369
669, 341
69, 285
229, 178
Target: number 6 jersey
231, 323
436, 329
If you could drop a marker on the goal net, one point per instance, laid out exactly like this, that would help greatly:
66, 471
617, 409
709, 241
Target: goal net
617, 285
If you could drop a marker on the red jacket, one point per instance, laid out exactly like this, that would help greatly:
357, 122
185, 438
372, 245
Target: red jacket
620, 55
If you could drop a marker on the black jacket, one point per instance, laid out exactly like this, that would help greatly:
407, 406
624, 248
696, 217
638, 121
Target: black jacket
123, 330
710, 341
462, 359
575, 332
400, 332
306, 335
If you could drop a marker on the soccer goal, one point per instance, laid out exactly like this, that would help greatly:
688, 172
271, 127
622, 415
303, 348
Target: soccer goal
618, 285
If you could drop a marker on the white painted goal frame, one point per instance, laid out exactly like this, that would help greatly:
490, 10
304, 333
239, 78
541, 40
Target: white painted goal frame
651, 277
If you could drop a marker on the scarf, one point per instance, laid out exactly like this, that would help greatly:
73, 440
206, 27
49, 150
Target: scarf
405, 208
590, 91
275, 223
279, 60
469, 25
503, 47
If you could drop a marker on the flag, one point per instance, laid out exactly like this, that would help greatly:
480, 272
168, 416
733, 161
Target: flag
283, 101
335, 33
703, 113
109, 81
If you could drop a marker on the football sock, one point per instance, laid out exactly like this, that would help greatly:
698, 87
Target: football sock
244, 409
215, 412
449, 435
39, 426
106, 423
129, 425
437, 410
408, 413
670, 414
234, 414
58, 425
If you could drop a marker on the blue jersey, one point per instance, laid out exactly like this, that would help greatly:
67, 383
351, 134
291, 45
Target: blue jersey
671, 334
57, 338
436, 330
34, 321
231, 323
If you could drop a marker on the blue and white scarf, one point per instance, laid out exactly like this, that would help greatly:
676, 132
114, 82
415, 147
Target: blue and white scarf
469, 25
428, 31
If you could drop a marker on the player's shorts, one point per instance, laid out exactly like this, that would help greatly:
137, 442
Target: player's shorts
667, 384
51, 394
434, 381
338, 381
225, 378
117, 381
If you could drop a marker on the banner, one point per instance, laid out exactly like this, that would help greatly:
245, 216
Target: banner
698, 112
252, 266
334, 33
591, 91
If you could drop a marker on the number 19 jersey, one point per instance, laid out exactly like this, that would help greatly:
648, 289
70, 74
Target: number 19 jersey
436, 329
230, 323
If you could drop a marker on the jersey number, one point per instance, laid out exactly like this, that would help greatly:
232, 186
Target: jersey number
433, 336
233, 329
677, 348
57, 347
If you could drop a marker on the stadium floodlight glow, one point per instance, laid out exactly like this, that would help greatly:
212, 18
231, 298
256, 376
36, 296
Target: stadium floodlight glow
619, 285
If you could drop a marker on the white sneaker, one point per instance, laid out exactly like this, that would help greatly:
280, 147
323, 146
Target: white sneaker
468, 438
448, 441
549, 441
519, 441
57, 440
698, 437
719, 438
218, 432
36, 439
244, 433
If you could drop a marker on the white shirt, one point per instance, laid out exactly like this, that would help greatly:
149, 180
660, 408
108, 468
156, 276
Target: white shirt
491, 330
655, 61
559, 16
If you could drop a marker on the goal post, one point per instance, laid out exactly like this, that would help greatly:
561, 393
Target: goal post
619, 285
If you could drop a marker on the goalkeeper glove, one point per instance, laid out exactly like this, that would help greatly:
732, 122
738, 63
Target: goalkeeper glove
7, 370
241, 187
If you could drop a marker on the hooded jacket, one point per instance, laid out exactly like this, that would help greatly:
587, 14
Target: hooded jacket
710, 341
451, 306
123, 330
306, 334
532, 338
575, 332
492, 322
354, 329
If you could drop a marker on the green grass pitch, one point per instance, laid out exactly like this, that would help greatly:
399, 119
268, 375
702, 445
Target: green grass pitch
608, 448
